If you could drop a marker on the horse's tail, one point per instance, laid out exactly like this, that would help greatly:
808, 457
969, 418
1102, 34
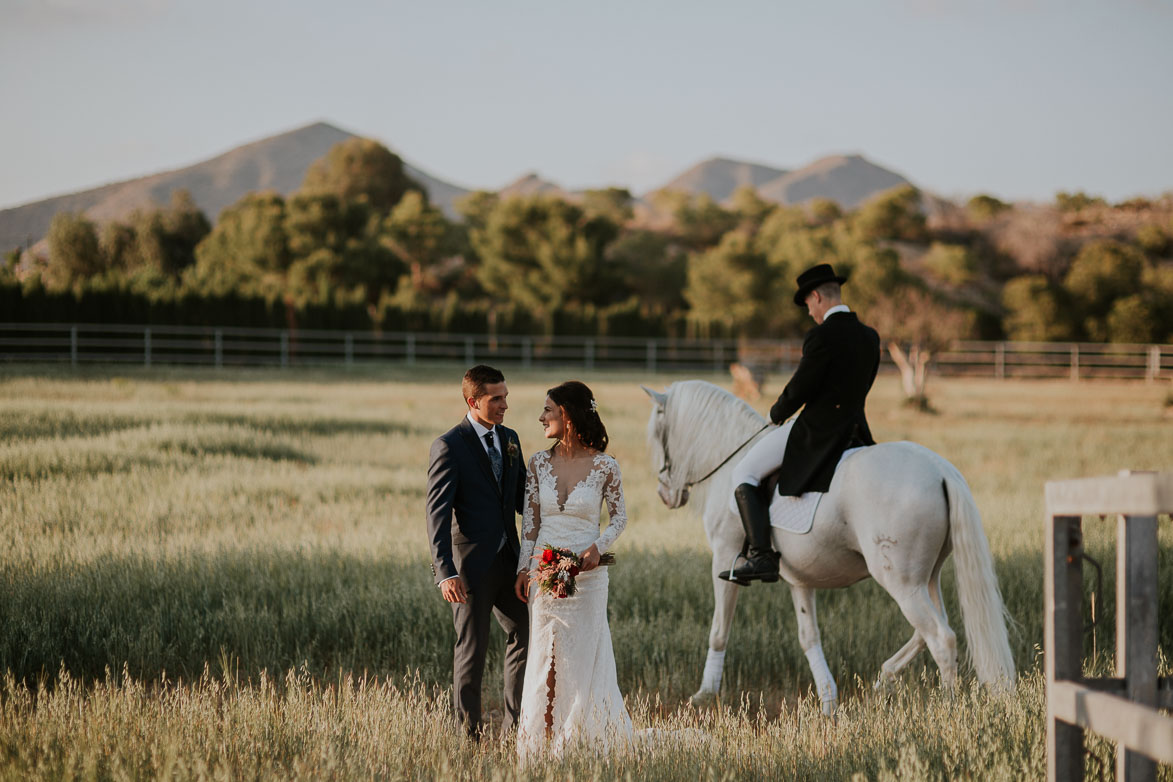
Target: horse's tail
982, 609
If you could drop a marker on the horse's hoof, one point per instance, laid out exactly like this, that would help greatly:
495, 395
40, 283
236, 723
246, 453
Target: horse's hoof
884, 682
703, 699
830, 707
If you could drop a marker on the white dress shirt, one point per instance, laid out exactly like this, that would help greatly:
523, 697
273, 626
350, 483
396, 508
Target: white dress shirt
833, 310
481, 431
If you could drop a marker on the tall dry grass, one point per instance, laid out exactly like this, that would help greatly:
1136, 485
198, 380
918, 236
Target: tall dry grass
225, 575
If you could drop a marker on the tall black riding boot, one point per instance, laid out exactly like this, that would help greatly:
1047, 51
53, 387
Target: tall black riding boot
762, 561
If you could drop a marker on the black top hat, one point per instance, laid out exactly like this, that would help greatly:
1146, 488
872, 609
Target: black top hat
813, 278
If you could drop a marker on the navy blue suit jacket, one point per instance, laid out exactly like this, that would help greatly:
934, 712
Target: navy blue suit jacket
468, 510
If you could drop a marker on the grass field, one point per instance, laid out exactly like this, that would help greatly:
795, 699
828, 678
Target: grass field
224, 575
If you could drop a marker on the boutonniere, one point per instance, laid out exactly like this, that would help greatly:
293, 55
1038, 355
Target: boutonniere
511, 451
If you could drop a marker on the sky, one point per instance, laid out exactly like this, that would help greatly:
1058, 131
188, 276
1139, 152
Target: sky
1016, 99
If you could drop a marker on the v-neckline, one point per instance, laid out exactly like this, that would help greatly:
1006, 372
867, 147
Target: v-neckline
554, 477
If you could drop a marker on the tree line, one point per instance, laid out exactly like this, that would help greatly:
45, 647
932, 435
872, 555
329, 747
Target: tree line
360, 246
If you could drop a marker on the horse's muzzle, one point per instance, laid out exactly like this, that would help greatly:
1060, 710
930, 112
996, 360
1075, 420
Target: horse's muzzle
670, 498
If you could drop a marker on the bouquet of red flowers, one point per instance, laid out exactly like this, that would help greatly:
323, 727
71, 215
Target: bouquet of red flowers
557, 569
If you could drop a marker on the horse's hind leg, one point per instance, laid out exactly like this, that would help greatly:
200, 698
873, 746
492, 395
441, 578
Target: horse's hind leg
896, 663
812, 646
932, 628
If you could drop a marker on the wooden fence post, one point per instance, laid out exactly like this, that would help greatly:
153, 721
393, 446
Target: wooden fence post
1063, 638
1123, 709
73, 346
651, 355
1000, 361
284, 349
1075, 362
1136, 628
349, 348
219, 348
147, 346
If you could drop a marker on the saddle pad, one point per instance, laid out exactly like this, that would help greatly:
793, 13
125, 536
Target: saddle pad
797, 514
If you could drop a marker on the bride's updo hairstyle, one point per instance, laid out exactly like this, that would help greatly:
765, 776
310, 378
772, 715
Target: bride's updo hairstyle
579, 403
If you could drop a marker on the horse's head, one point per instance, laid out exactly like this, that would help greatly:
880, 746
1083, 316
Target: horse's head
673, 489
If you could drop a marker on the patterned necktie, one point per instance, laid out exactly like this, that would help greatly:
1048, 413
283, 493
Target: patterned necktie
494, 456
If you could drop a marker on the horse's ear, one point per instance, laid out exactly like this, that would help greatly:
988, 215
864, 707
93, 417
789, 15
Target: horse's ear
657, 397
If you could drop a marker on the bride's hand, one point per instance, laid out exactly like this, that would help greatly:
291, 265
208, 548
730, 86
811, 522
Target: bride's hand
521, 586
590, 558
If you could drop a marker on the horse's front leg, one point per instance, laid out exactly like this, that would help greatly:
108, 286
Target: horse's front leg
723, 607
812, 645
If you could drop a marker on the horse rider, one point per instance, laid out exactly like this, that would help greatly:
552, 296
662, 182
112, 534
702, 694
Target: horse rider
840, 357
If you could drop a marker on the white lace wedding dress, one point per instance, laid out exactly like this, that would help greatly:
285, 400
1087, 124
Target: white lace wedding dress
570, 636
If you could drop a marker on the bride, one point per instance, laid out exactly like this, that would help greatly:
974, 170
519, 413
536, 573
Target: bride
570, 694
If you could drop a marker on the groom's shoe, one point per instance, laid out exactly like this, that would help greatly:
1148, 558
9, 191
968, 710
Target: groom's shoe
762, 561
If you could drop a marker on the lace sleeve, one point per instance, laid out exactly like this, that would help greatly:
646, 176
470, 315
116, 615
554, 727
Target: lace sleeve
616, 508
531, 518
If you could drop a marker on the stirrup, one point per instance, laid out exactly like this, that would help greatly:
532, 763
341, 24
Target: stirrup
727, 575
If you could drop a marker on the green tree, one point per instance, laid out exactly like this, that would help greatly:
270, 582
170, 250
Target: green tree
652, 268
476, 208
1102, 272
118, 240
613, 203
1037, 310
74, 251
8, 266
543, 253
1133, 319
750, 209
984, 207
1159, 281
824, 211
950, 263
165, 239
893, 215
698, 221
335, 248
1074, 202
360, 168
1154, 240
419, 235
247, 252
730, 284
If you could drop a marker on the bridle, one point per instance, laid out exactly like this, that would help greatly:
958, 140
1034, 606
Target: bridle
667, 468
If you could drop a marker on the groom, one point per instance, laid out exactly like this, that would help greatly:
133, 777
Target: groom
476, 483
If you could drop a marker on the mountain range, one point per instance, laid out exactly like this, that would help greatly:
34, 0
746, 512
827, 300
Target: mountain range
279, 163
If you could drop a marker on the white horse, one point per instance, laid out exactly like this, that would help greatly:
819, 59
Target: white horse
893, 512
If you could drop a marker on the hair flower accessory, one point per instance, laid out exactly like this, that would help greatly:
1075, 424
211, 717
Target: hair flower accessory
594, 406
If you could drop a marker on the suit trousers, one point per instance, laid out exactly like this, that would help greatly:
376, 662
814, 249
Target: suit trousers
492, 595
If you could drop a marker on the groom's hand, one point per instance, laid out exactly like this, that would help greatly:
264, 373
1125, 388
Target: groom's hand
521, 586
454, 590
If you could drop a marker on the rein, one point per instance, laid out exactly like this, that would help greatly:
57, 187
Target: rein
668, 464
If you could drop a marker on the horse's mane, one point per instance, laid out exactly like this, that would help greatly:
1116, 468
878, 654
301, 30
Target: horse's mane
705, 424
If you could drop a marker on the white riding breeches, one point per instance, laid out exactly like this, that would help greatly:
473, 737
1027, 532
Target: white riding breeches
762, 459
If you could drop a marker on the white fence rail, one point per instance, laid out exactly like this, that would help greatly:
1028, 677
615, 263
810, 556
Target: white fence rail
76, 344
